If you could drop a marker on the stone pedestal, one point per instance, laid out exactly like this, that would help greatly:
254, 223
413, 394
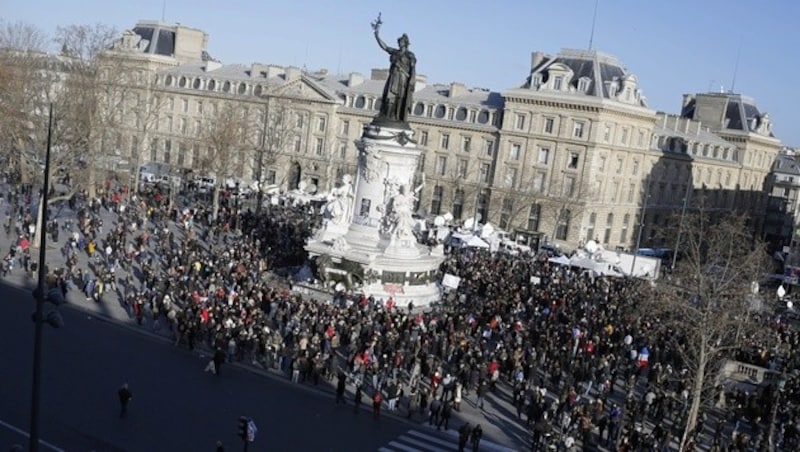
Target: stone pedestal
376, 251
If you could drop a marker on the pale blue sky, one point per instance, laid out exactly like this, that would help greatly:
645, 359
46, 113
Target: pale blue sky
673, 46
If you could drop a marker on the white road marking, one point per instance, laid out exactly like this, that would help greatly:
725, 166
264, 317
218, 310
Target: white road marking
27, 435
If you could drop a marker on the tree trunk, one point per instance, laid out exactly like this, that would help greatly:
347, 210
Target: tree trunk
215, 202
697, 392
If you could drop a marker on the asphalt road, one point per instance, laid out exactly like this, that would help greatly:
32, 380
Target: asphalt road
175, 406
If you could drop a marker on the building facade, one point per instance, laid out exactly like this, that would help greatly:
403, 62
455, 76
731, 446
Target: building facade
572, 154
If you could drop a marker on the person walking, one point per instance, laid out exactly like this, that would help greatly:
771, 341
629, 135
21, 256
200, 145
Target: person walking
463, 436
392, 394
436, 406
377, 400
475, 437
125, 396
357, 397
340, 388
219, 359
481, 391
413, 402
444, 419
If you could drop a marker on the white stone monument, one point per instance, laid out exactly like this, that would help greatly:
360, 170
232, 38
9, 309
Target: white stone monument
378, 249
377, 252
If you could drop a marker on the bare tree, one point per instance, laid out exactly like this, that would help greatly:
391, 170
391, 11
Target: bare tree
90, 103
275, 134
465, 181
228, 132
704, 314
563, 203
26, 79
143, 107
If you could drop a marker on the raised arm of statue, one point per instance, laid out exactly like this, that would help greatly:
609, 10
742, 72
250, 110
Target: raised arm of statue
376, 26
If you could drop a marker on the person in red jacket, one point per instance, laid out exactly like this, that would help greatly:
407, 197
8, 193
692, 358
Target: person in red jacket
377, 400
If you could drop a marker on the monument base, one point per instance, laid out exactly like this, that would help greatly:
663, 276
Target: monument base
378, 253
381, 275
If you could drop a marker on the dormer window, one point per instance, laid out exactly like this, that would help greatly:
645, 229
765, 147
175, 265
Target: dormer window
612, 89
560, 76
537, 81
583, 84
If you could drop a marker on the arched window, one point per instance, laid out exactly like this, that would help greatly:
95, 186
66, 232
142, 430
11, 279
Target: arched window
440, 111
226, 87
242, 88
461, 114
483, 116
360, 102
419, 109
212, 85
196, 84
609, 226
168, 80
562, 232
182, 82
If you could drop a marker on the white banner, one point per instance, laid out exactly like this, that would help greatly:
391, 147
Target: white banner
451, 281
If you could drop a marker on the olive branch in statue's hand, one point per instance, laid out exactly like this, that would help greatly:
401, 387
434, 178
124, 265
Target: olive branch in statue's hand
376, 25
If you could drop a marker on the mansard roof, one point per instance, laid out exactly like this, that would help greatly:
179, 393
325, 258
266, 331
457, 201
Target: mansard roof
258, 75
786, 163
668, 125
589, 73
454, 93
727, 111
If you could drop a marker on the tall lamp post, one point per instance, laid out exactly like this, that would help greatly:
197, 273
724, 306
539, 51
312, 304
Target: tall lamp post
260, 158
680, 225
33, 443
641, 227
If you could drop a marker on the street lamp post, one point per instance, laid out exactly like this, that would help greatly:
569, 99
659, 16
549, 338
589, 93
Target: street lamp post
260, 158
641, 228
33, 443
680, 225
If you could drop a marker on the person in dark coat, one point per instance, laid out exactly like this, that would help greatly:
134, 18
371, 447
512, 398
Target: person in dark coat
357, 398
219, 358
125, 396
475, 437
447, 411
340, 387
463, 436
436, 406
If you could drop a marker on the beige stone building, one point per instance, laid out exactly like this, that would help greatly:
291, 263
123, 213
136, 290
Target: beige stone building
573, 154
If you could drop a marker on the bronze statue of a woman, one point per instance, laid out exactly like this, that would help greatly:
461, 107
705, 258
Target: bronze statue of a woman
398, 92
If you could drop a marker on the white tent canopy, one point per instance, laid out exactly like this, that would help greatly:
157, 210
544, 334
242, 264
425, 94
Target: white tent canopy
560, 260
471, 241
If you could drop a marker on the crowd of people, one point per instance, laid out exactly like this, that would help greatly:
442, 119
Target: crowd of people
568, 349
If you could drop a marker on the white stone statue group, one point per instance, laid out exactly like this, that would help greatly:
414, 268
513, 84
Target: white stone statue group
398, 218
401, 220
340, 202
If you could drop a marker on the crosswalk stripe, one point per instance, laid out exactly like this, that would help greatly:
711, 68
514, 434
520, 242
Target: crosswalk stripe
446, 444
425, 446
421, 440
397, 445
